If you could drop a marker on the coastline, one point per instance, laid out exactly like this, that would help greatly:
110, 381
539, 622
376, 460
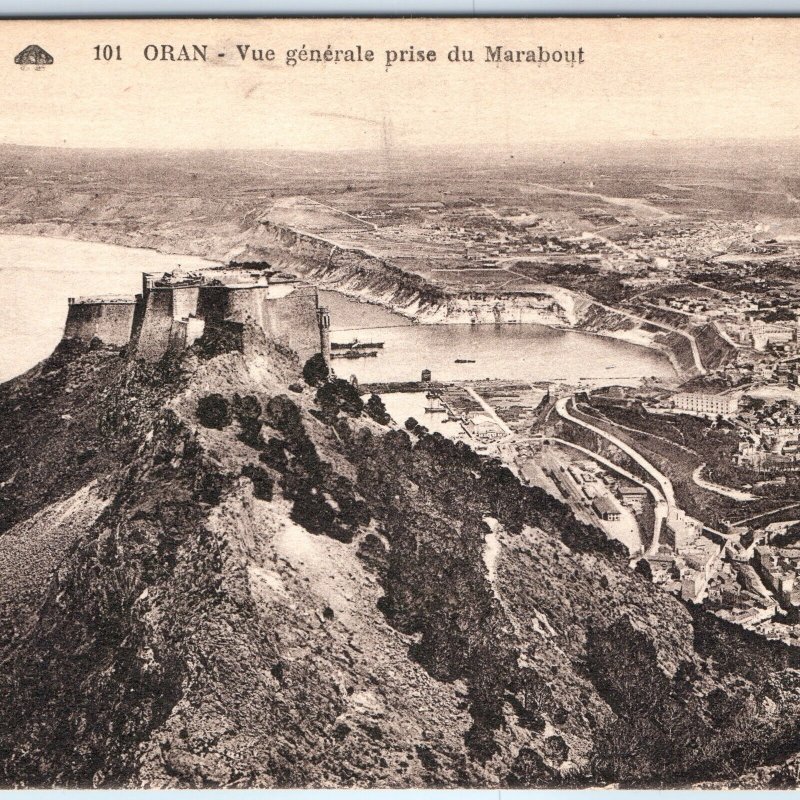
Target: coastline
621, 337
413, 311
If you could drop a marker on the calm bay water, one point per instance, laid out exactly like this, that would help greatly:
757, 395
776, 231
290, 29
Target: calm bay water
517, 352
38, 274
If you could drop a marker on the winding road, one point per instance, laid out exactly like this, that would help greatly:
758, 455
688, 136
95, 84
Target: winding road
662, 480
658, 499
725, 491
667, 506
698, 362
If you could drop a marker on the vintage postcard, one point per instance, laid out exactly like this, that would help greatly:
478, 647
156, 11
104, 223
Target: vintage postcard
400, 403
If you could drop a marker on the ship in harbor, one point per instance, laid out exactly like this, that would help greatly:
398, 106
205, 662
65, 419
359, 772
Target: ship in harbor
355, 354
434, 404
357, 345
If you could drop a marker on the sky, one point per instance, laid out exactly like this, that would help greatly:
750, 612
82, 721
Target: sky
647, 79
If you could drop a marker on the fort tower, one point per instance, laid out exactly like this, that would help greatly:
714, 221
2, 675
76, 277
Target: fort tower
174, 310
324, 322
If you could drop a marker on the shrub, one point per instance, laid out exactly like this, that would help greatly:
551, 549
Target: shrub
247, 406
214, 411
420, 430
247, 411
528, 769
282, 413
376, 409
314, 513
262, 483
337, 396
555, 748
273, 454
643, 568
209, 488
372, 552
219, 338
352, 511
315, 370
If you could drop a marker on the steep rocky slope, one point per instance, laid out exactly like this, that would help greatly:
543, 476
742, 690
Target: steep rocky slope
359, 273
217, 575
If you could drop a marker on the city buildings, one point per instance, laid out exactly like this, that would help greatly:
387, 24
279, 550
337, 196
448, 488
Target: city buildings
634, 497
710, 405
605, 508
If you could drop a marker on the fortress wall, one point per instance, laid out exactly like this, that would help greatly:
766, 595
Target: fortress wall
222, 303
212, 303
115, 323
171, 319
178, 335
246, 305
194, 330
110, 322
154, 337
292, 321
138, 319
80, 321
184, 301
184, 333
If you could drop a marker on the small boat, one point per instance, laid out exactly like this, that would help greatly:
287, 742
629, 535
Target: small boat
434, 403
465, 361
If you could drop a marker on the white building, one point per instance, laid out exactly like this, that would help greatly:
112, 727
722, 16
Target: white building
707, 405
682, 528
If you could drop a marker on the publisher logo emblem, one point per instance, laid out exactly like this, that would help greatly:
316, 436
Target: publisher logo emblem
33, 55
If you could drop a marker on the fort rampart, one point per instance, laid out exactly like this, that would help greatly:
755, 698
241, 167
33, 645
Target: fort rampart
171, 316
107, 319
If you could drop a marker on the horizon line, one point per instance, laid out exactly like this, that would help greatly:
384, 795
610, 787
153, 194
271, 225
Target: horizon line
455, 149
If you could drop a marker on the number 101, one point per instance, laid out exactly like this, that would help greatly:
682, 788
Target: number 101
107, 52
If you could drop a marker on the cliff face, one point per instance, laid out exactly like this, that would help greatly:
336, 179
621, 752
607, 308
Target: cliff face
227, 228
358, 273
239, 583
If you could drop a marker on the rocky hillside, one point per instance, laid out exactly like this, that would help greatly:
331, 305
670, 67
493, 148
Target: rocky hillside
215, 573
357, 273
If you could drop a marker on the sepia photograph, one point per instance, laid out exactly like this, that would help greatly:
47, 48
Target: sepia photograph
400, 403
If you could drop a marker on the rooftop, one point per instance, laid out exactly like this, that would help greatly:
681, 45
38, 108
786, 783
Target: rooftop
603, 504
638, 491
102, 300
234, 275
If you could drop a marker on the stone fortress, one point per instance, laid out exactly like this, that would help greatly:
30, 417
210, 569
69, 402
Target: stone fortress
174, 309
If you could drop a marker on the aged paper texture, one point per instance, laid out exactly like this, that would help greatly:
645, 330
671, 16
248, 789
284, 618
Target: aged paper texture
399, 403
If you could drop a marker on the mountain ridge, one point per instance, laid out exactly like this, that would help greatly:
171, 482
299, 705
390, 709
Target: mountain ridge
268, 587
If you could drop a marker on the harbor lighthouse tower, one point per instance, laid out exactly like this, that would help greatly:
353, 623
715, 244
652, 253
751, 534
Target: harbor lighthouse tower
324, 322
